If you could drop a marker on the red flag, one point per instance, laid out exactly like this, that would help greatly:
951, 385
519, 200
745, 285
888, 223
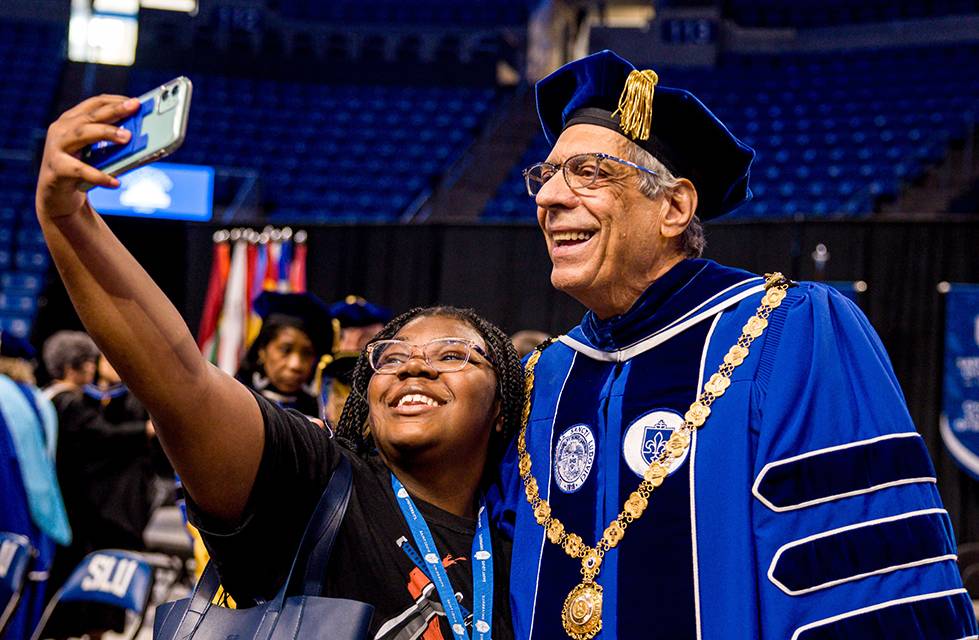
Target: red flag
297, 270
214, 299
272, 266
252, 262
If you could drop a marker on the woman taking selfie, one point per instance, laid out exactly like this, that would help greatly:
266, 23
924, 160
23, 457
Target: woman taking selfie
434, 399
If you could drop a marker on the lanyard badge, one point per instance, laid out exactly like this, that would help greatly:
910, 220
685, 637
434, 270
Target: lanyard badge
431, 564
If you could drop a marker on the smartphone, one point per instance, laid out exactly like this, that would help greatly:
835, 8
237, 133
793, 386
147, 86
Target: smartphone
157, 130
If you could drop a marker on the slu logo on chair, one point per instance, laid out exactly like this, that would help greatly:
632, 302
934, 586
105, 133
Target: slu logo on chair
109, 575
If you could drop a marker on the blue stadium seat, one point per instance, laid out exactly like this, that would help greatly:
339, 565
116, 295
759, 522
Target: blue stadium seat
20, 283
834, 132
19, 326
34, 261
12, 304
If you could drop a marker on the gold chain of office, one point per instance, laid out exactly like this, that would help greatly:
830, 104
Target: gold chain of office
581, 614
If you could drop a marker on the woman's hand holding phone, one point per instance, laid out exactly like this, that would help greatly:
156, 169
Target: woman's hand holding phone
62, 172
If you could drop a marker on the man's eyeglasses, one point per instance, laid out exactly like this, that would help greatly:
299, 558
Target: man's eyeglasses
442, 354
581, 171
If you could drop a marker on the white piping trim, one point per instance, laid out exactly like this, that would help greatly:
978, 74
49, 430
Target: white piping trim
838, 496
876, 607
693, 486
701, 306
550, 480
659, 337
859, 525
959, 451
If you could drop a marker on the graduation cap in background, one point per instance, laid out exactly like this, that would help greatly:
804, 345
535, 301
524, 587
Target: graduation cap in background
303, 311
354, 311
606, 90
12, 346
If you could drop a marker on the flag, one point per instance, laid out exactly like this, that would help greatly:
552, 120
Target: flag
285, 262
207, 332
231, 330
297, 271
272, 271
959, 423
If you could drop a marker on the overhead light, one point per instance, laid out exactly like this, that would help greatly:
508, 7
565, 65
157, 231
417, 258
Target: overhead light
187, 6
103, 39
122, 7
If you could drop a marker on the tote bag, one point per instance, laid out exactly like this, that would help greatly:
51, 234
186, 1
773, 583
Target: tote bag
296, 617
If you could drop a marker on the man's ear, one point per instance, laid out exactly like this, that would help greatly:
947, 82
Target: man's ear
682, 205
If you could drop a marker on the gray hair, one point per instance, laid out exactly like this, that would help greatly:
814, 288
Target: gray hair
68, 350
692, 241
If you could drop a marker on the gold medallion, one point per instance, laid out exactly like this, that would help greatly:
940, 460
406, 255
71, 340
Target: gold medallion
582, 611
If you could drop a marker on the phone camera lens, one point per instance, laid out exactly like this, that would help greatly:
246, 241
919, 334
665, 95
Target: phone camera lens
173, 91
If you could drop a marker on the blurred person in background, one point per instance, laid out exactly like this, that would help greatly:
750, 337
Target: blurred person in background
358, 321
296, 332
105, 455
29, 491
526, 340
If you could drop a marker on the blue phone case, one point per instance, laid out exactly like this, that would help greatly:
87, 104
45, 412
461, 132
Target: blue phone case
102, 154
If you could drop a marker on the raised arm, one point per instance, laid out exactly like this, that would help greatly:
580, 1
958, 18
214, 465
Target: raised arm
209, 424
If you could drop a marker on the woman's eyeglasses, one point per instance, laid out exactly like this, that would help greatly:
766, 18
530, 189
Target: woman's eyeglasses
445, 355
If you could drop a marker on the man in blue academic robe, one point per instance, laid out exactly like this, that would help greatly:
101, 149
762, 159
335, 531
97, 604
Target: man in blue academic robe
710, 454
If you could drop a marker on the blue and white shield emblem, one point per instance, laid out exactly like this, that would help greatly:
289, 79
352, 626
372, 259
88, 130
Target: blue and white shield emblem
645, 440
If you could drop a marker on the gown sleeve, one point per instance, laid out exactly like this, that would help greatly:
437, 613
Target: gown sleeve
850, 534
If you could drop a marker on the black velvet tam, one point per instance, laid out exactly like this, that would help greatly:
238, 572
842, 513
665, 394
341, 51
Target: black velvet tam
685, 136
304, 311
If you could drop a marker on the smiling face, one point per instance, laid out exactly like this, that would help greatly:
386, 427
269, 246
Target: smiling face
607, 243
288, 359
420, 415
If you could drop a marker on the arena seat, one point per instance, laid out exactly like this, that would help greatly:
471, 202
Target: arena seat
108, 578
329, 152
835, 132
808, 14
32, 56
17, 554
477, 13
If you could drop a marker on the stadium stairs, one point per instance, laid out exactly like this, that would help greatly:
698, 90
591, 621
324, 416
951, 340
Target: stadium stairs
467, 188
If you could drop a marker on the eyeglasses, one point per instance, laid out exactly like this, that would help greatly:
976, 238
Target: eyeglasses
445, 355
582, 171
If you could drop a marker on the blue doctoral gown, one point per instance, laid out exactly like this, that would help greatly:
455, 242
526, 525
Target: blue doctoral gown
805, 508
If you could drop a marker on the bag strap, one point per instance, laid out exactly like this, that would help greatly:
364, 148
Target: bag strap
316, 543
322, 530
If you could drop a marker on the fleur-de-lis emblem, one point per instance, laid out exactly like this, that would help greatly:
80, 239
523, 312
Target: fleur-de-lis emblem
655, 442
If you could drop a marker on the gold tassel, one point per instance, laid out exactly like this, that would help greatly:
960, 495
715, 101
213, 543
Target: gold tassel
318, 378
337, 329
636, 104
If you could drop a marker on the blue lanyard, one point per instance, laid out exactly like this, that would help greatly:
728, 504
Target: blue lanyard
482, 567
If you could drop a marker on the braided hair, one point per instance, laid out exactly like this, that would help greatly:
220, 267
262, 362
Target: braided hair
353, 429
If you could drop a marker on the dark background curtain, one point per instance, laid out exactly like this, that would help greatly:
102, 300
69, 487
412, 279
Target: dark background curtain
503, 271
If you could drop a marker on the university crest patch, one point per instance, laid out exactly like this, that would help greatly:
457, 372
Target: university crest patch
645, 440
574, 456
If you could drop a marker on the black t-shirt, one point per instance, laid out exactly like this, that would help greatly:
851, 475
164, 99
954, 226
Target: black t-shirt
367, 563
